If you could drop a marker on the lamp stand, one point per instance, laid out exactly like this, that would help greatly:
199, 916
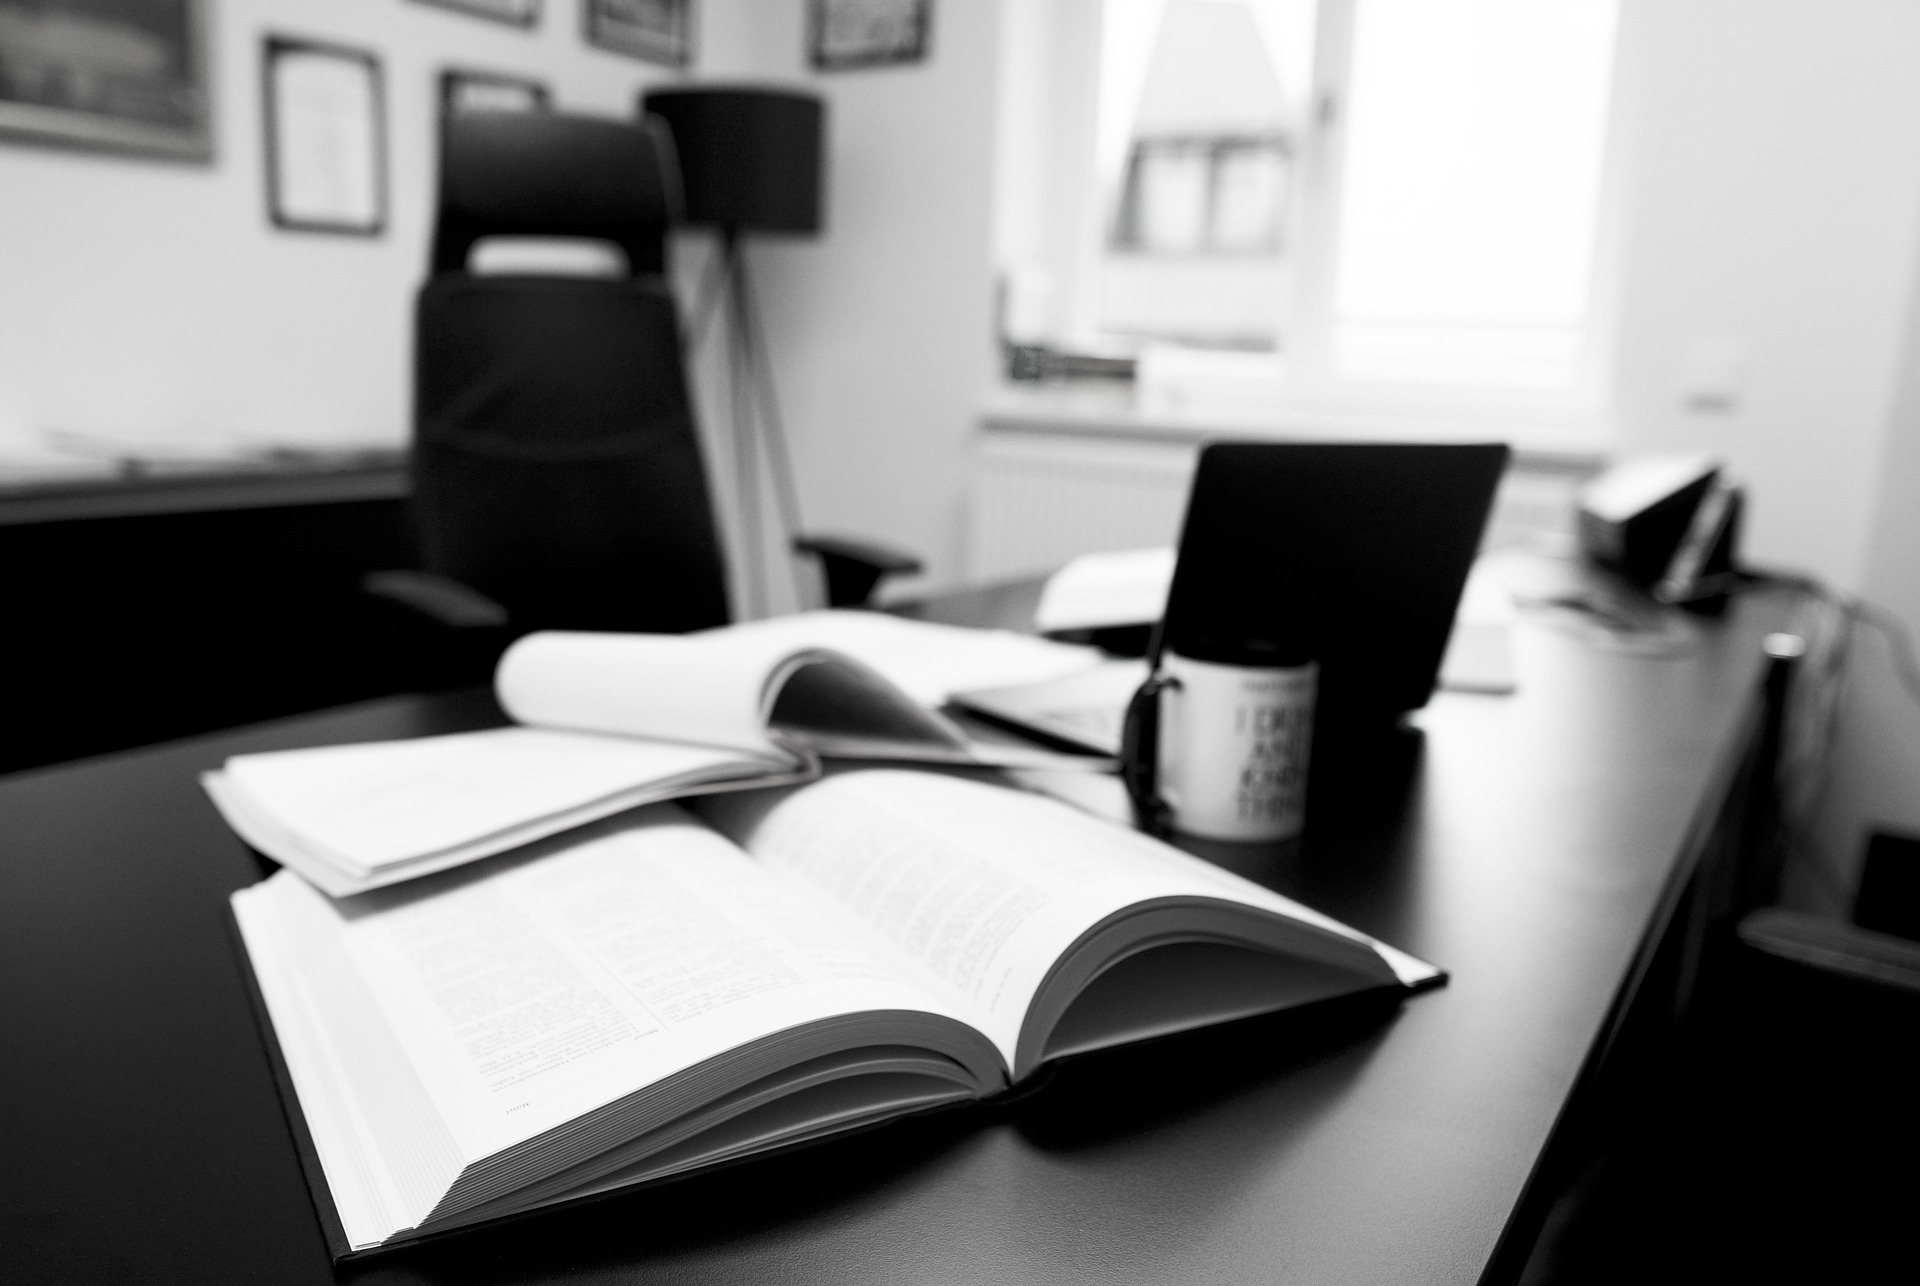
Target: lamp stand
757, 428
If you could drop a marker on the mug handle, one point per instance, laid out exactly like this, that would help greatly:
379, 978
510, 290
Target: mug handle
1140, 755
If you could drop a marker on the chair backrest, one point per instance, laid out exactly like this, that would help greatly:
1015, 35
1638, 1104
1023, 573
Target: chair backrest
543, 174
556, 464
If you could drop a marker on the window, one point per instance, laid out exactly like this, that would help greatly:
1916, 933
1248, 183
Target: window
1205, 103
1364, 194
1470, 190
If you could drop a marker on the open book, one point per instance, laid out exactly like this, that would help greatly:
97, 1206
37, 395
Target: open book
613, 721
656, 993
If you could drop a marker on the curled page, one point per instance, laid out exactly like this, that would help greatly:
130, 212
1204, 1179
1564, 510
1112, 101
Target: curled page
715, 691
929, 662
752, 691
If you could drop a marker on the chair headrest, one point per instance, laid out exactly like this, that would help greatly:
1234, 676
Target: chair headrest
544, 174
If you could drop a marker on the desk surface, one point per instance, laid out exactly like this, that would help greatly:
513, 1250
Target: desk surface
1525, 843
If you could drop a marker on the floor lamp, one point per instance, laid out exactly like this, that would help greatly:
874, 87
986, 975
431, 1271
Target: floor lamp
750, 162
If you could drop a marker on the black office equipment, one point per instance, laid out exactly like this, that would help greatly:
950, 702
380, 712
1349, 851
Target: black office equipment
1888, 898
1667, 523
1370, 543
1376, 539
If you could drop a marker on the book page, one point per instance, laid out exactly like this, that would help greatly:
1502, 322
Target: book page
528, 993
360, 808
748, 688
927, 661
704, 690
978, 888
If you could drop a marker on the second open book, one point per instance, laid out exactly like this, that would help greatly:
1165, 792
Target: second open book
611, 721
659, 993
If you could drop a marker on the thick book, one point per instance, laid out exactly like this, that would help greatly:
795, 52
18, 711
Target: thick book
663, 992
608, 722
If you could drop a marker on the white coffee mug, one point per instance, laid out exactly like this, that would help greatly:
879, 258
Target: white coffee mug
1234, 745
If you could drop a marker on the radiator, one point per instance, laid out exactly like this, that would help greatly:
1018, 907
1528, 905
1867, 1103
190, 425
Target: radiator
1036, 500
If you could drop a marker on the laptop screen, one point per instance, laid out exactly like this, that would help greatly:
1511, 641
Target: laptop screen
1352, 553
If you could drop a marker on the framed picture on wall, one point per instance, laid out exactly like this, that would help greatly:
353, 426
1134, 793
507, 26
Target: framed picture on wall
521, 13
130, 76
844, 34
659, 31
486, 91
326, 137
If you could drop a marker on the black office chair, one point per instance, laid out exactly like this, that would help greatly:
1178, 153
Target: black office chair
557, 474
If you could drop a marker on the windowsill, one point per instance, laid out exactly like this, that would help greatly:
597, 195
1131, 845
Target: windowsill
1117, 411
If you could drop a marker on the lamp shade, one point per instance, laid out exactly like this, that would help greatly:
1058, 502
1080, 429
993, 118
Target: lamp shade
750, 158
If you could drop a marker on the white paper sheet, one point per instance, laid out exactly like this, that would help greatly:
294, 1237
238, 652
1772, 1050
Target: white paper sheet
1097, 591
359, 809
1479, 655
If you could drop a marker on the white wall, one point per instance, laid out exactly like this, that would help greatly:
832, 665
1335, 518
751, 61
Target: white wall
1774, 201
1871, 782
152, 300
1893, 556
1875, 779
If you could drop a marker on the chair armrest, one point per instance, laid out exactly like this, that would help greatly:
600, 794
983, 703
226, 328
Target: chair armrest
872, 553
1832, 947
854, 567
441, 600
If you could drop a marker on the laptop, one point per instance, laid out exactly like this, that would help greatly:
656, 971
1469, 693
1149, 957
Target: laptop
1373, 541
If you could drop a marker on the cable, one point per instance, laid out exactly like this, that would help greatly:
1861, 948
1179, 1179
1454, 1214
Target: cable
1899, 640
1812, 742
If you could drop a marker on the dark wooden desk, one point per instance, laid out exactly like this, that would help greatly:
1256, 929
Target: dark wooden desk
1539, 846
188, 602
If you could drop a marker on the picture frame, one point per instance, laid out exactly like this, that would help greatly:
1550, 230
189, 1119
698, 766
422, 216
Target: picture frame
325, 136
515, 13
132, 79
846, 35
463, 91
659, 31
